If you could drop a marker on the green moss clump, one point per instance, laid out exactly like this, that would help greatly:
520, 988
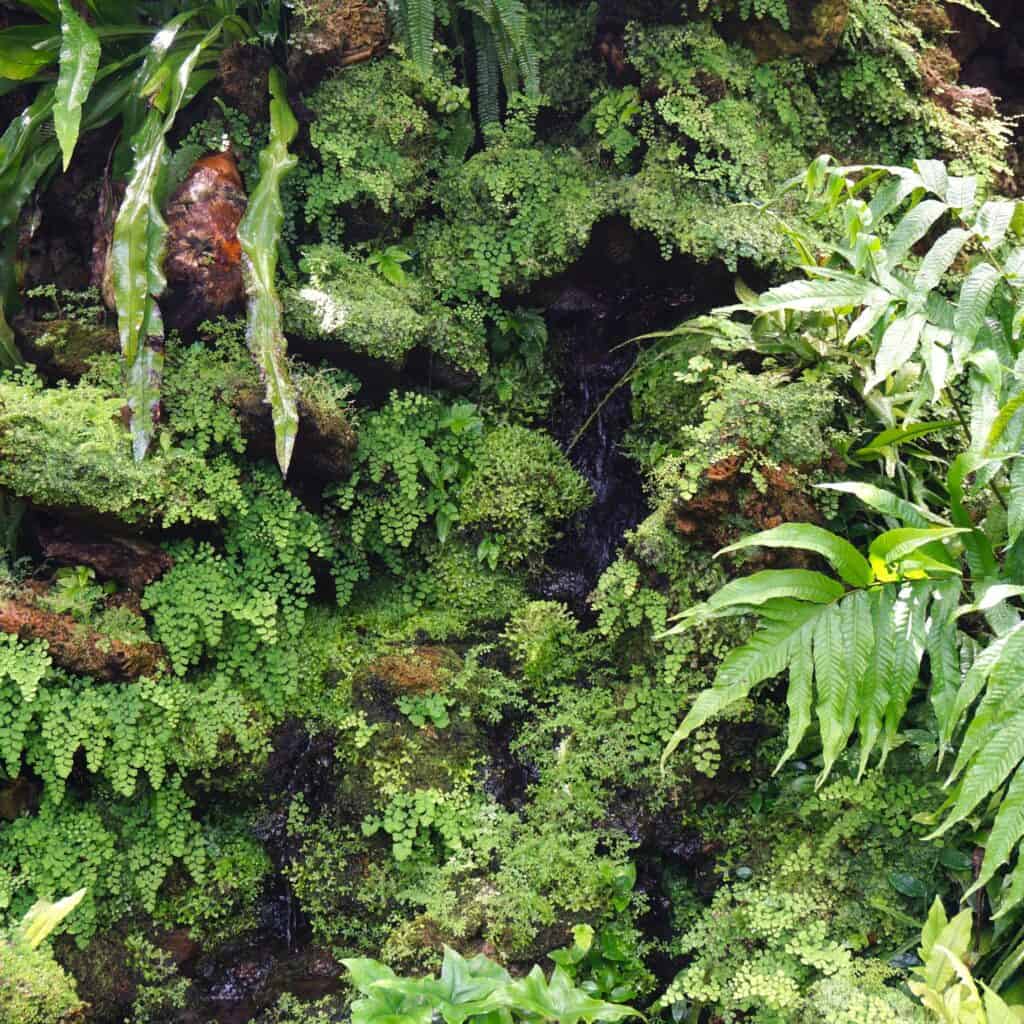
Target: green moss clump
513, 213
68, 446
520, 488
345, 301
34, 988
383, 131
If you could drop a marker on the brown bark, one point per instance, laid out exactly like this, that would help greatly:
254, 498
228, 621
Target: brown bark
78, 649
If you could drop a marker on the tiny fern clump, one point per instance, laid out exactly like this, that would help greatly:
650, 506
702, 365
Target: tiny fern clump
853, 641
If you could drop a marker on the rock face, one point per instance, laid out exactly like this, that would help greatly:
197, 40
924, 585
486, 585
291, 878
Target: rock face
334, 35
204, 257
815, 29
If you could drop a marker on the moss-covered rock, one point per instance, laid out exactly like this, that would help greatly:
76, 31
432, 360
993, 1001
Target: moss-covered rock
35, 989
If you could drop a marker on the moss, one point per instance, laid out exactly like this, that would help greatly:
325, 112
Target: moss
68, 446
346, 302
35, 989
520, 489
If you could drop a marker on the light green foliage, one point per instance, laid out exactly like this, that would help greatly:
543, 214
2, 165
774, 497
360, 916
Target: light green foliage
544, 638
447, 596
515, 212
121, 851
34, 989
471, 990
244, 604
520, 487
161, 989
795, 932
384, 131
519, 384
68, 446
412, 462
226, 905
345, 300
416, 821
291, 1010
430, 708
944, 983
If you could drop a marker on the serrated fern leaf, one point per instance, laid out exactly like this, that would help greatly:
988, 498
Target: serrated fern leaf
1000, 670
940, 258
799, 699
487, 73
873, 690
843, 643
416, 20
765, 654
1007, 831
851, 565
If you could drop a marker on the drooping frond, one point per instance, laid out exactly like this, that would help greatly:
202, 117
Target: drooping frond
487, 73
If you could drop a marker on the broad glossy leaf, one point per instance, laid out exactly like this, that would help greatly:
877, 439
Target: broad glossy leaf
851, 565
940, 258
898, 346
886, 502
25, 50
912, 228
896, 436
560, 1001
79, 60
259, 234
803, 584
994, 220
1007, 831
808, 296
934, 175
799, 699
895, 545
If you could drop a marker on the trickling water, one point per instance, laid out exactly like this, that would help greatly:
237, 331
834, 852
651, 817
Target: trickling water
595, 413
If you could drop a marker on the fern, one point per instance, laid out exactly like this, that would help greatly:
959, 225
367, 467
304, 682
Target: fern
852, 655
501, 33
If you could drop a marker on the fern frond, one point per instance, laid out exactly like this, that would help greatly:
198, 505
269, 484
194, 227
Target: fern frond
487, 73
416, 24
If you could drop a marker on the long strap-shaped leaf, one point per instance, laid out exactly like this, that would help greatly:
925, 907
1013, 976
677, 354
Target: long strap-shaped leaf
137, 253
79, 60
259, 234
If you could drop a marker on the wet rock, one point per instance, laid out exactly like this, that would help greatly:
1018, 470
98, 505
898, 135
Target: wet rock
63, 348
327, 439
243, 70
132, 562
816, 29
334, 35
421, 670
17, 796
203, 264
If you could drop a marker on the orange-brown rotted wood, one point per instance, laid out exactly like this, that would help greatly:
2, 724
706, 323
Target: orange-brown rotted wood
203, 264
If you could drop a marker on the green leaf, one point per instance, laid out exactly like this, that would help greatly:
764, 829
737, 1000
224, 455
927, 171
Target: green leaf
896, 436
1007, 831
1003, 421
934, 175
912, 228
79, 59
975, 296
799, 699
843, 643
895, 545
44, 917
908, 885
765, 654
808, 296
994, 219
803, 584
25, 50
940, 258
886, 502
138, 243
560, 1001
851, 565
259, 234
899, 344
